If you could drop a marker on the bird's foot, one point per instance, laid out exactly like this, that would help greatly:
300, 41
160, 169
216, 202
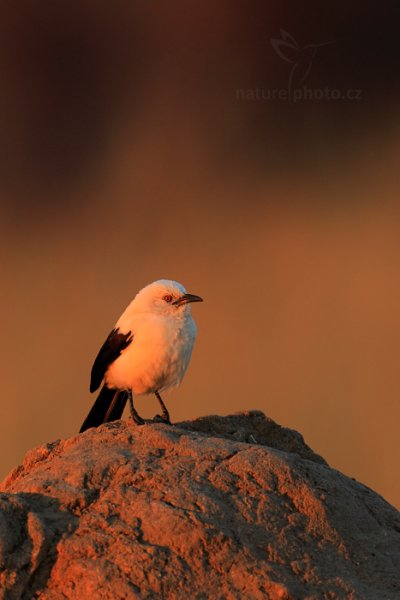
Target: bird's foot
137, 419
162, 419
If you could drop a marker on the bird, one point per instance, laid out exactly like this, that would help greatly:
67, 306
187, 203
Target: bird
147, 352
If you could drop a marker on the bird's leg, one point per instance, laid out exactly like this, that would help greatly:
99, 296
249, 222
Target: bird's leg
165, 414
135, 416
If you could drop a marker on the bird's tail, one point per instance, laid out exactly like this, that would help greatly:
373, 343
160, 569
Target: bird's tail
109, 406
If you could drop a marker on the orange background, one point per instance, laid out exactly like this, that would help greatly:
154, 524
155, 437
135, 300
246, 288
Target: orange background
127, 155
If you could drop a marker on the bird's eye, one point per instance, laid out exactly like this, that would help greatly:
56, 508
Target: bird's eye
167, 298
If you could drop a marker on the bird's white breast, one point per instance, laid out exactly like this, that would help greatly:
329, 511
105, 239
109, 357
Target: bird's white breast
158, 355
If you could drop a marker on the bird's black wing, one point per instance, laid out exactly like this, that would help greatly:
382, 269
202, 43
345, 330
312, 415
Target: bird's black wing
110, 350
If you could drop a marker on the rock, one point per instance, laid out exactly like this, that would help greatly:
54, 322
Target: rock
254, 427
192, 511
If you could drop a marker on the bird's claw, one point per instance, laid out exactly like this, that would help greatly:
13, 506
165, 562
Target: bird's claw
138, 420
162, 419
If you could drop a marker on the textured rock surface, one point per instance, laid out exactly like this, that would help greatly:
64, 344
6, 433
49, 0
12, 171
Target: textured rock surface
192, 511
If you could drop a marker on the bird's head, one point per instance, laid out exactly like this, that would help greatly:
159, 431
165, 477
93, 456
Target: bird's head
165, 297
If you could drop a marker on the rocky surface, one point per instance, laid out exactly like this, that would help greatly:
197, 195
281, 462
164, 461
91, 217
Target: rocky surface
220, 508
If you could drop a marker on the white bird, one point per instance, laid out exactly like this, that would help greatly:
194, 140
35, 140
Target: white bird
148, 351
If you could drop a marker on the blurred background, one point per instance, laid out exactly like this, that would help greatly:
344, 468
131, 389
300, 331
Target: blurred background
248, 150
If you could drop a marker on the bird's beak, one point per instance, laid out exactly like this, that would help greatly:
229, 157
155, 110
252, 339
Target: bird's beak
186, 298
